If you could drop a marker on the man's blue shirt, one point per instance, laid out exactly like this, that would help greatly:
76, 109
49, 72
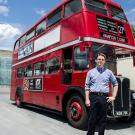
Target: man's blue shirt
99, 82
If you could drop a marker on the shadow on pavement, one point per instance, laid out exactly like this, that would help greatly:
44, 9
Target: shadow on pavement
46, 112
115, 125
112, 124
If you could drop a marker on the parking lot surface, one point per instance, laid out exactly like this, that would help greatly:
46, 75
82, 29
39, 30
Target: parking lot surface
36, 121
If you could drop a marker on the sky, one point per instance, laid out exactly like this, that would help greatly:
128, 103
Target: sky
17, 16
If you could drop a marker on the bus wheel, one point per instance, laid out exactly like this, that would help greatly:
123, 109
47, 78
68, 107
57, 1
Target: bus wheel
76, 112
18, 101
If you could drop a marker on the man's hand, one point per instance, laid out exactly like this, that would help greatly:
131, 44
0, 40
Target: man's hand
110, 99
87, 102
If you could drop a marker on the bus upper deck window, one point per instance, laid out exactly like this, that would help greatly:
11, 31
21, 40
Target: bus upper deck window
54, 17
117, 13
22, 40
72, 7
30, 34
41, 27
97, 6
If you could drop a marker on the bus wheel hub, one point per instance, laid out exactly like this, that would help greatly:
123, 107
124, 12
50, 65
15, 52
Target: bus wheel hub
75, 111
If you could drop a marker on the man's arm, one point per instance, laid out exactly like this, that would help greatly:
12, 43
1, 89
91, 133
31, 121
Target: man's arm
115, 88
114, 94
87, 90
87, 99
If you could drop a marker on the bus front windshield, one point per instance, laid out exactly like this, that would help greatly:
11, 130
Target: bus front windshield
110, 56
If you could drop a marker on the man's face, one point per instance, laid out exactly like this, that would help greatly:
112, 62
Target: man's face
100, 61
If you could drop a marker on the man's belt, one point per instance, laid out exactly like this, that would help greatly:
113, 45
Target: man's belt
99, 93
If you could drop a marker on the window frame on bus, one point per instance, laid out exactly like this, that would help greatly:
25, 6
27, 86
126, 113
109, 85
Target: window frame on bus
124, 19
69, 4
26, 75
95, 9
40, 26
52, 16
22, 40
47, 72
88, 58
41, 71
30, 34
17, 45
22, 72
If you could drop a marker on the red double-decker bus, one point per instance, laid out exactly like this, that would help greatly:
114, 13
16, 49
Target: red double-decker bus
51, 59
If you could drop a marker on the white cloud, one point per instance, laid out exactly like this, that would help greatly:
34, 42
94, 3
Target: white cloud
3, 1
40, 11
8, 35
131, 16
4, 10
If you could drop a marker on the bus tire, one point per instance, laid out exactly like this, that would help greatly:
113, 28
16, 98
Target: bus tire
18, 98
76, 112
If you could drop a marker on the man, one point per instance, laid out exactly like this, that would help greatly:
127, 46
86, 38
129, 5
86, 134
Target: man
96, 91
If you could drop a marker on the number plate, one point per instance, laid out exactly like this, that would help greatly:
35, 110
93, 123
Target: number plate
121, 113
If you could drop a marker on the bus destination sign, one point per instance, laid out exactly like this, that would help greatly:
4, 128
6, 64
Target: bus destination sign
106, 25
116, 30
112, 37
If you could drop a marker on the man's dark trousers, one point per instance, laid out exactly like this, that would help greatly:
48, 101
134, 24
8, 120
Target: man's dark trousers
97, 113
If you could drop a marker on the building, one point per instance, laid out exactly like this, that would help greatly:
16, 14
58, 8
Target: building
5, 67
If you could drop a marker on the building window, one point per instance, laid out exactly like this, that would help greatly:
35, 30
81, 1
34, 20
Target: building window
41, 27
72, 7
28, 71
20, 72
39, 68
81, 59
53, 65
54, 17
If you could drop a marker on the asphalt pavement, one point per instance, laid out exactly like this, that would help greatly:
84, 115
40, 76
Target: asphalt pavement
35, 121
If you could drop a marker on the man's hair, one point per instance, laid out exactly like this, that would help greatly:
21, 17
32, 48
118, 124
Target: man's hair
101, 54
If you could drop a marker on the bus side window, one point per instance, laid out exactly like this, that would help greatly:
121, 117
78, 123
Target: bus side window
39, 68
97, 6
72, 7
20, 72
41, 28
81, 59
53, 65
22, 40
30, 34
54, 17
28, 71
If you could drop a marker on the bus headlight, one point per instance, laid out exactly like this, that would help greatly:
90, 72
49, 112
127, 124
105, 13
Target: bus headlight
133, 95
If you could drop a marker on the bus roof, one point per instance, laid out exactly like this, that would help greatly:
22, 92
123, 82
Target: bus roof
59, 5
